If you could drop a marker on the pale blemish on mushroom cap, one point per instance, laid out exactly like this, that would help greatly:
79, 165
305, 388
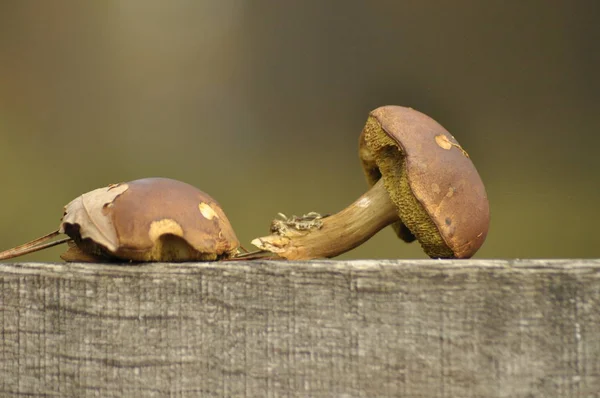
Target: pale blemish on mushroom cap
443, 141
207, 211
163, 227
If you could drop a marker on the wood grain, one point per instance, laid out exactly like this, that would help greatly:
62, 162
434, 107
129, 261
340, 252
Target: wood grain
475, 328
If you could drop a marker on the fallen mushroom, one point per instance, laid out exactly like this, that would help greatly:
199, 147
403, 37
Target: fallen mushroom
423, 182
153, 219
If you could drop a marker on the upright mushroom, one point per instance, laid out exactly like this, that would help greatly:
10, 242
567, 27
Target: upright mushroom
152, 219
422, 181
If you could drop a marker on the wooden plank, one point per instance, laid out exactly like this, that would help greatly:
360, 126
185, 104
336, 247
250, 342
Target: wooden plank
476, 328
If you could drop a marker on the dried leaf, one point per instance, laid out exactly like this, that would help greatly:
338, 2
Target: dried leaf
88, 212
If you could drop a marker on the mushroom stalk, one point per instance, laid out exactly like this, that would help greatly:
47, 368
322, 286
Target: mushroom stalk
335, 234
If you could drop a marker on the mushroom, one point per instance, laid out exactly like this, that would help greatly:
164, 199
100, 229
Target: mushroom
422, 182
152, 219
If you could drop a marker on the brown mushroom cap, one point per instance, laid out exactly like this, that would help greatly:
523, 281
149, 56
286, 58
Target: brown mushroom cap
440, 197
152, 219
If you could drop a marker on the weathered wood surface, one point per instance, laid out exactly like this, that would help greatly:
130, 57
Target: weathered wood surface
475, 328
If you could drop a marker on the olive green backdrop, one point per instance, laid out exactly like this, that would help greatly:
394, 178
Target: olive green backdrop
260, 104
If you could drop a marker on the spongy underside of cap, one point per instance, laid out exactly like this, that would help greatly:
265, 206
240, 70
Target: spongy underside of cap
391, 163
166, 248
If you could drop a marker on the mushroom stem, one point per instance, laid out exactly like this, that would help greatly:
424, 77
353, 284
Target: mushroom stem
33, 246
335, 234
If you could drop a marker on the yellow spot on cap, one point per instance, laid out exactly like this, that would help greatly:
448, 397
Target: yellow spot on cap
443, 141
435, 188
207, 211
164, 227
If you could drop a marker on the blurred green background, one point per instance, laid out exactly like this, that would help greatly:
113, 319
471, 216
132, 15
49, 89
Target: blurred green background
260, 104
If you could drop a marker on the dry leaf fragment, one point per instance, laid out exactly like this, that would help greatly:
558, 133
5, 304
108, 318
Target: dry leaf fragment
88, 211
